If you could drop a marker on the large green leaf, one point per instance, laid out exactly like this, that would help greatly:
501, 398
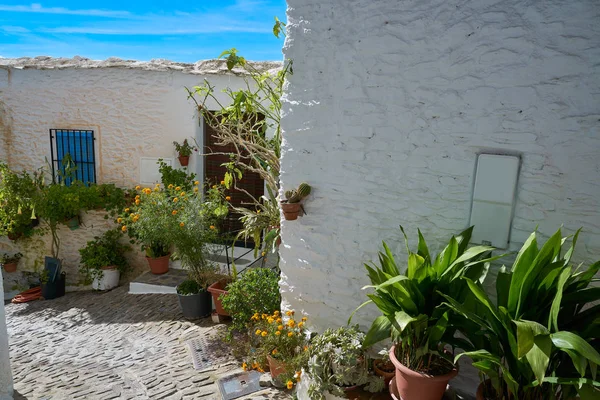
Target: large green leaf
392, 267
437, 331
415, 261
380, 330
402, 320
482, 297
539, 356
555, 308
579, 362
503, 286
583, 296
526, 333
520, 268
463, 239
385, 304
571, 341
386, 283
445, 257
422, 249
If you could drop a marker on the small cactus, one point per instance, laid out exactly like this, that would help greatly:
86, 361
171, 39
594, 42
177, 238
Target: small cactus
296, 195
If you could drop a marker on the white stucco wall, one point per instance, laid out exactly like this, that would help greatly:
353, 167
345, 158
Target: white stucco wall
136, 109
390, 103
6, 382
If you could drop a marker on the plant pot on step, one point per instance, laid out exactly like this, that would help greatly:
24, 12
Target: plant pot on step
290, 210
415, 385
159, 265
53, 290
110, 279
385, 370
10, 267
216, 290
73, 223
194, 306
276, 367
184, 160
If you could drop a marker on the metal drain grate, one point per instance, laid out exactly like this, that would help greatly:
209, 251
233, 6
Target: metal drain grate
202, 356
238, 385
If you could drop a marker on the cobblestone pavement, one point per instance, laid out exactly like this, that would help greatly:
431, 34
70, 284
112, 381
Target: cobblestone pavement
113, 345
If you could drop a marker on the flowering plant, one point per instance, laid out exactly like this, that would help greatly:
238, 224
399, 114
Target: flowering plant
184, 149
284, 339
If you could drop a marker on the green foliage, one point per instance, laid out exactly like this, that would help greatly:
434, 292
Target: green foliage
337, 359
297, 195
103, 251
184, 149
10, 259
541, 338
189, 287
175, 177
17, 201
256, 291
110, 198
411, 303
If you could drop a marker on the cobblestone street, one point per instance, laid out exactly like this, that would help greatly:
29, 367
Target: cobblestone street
91, 345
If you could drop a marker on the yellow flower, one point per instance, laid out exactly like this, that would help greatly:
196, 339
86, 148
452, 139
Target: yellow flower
290, 334
136, 217
214, 186
264, 316
212, 227
147, 190
297, 375
195, 190
291, 323
137, 187
137, 202
222, 183
157, 189
263, 254
258, 211
157, 185
124, 228
278, 333
174, 212
181, 224
290, 384
278, 320
127, 210
182, 194
259, 369
280, 328
175, 200
227, 198
270, 320
255, 365
119, 220
276, 313
178, 188
305, 348
264, 333
196, 183
244, 366
289, 313
170, 186
257, 332
137, 197
300, 324
304, 319
274, 351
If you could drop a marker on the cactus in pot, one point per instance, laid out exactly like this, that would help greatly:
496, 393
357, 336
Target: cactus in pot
291, 206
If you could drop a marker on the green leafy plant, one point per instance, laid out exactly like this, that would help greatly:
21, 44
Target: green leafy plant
297, 195
110, 198
175, 177
336, 360
540, 340
189, 287
10, 259
103, 251
411, 303
17, 202
184, 149
256, 291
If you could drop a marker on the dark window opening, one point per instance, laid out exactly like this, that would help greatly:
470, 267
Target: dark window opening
73, 156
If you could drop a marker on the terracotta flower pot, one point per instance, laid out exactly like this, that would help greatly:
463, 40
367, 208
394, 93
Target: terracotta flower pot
217, 289
290, 210
14, 236
416, 385
160, 265
378, 364
10, 267
479, 395
184, 160
276, 367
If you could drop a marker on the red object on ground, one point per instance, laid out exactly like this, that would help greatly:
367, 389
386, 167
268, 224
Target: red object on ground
28, 295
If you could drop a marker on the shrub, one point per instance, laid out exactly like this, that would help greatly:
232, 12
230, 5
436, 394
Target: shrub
256, 291
188, 287
175, 177
103, 251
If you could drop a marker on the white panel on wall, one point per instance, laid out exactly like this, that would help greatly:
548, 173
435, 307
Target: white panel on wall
149, 169
493, 199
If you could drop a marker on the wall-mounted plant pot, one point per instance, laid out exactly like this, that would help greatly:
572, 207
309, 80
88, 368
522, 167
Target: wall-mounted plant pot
217, 289
160, 265
53, 290
110, 279
73, 223
10, 267
290, 210
184, 160
415, 385
194, 306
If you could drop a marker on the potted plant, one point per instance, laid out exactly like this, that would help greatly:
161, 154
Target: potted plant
280, 341
291, 205
103, 260
338, 364
255, 291
384, 367
172, 177
194, 300
185, 151
414, 316
10, 262
17, 197
540, 339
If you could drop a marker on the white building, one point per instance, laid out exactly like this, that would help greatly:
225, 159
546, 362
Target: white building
388, 108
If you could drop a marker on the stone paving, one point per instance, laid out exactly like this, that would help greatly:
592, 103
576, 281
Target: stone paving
91, 345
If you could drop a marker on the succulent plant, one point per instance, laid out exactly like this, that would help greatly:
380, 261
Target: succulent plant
296, 195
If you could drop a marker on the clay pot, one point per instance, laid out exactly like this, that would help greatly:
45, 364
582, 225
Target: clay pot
217, 289
353, 392
290, 210
378, 364
10, 267
14, 236
276, 367
416, 385
184, 160
479, 395
160, 265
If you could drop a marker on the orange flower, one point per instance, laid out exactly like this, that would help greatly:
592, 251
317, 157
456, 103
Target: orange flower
212, 227
280, 328
263, 254
124, 228
255, 365
119, 220
222, 183
137, 197
264, 333
137, 202
300, 324
290, 334
137, 187
274, 351
290, 384
276, 313
279, 320
174, 212
227, 198
181, 224
196, 183
278, 333
182, 194
127, 210
178, 188
195, 190
157, 189
147, 190
175, 200
257, 332
291, 323
136, 217
304, 319
170, 186
305, 348
244, 366
289, 313
270, 320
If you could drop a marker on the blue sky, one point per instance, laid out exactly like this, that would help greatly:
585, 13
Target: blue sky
178, 30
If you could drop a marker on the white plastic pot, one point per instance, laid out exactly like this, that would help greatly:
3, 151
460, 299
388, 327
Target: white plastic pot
109, 280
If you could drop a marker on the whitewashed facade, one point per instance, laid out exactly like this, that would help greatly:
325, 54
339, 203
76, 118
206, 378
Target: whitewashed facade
390, 104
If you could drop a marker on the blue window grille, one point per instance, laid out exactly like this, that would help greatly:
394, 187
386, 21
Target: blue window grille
78, 145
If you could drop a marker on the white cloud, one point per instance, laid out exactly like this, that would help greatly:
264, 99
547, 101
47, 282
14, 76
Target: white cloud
38, 8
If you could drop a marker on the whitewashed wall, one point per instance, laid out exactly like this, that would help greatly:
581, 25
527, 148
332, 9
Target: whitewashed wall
388, 107
136, 109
